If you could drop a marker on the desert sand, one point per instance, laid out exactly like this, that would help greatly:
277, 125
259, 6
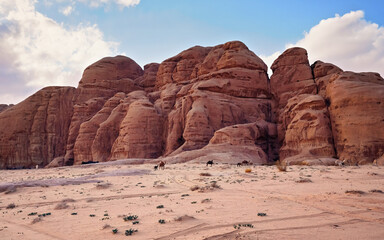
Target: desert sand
192, 201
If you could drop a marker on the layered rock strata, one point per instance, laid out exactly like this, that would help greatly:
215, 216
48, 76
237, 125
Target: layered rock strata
35, 131
206, 103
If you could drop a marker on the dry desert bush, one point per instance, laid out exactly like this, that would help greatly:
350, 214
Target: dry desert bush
205, 174
355, 192
11, 206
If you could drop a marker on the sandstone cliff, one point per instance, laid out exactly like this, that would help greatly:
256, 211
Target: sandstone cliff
35, 131
206, 103
5, 106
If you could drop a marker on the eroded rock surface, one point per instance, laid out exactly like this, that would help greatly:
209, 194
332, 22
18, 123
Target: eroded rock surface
357, 116
307, 127
35, 131
206, 103
100, 81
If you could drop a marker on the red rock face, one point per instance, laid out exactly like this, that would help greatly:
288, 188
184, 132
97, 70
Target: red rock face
140, 130
34, 131
5, 107
309, 131
206, 103
323, 72
148, 80
307, 128
89, 129
229, 86
357, 116
100, 81
292, 76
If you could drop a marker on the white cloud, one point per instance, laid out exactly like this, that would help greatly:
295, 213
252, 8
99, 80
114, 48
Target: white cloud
36, 51
121, 3
348, 41
67, 10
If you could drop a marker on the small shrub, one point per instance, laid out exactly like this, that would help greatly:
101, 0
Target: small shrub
135, 222
74, 213
160, 206
185, 195
238, 226
130, 217
130, 231
92, 215
44, 214
194, 188
261, 214
161, 221
214, 185
103, 185
11, 206
194, 202
114, 231
32, 213
354, 192
304, 180
205, 174
376, 191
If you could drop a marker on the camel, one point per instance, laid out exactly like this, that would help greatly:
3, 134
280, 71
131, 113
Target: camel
210, 162
245, 162
162, 165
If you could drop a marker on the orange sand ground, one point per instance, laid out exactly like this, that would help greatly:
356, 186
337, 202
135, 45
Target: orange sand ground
306, 202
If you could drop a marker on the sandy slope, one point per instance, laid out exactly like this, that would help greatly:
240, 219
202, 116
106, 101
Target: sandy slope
101, 195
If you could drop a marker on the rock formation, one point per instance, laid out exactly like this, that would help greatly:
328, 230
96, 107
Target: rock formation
100, 81
357, 116
35, 131
206, 103
5, 106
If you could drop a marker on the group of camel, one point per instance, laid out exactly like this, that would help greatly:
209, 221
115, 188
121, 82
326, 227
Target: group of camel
161, 164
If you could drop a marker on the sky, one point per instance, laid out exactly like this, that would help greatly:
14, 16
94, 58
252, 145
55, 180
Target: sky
51, 42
